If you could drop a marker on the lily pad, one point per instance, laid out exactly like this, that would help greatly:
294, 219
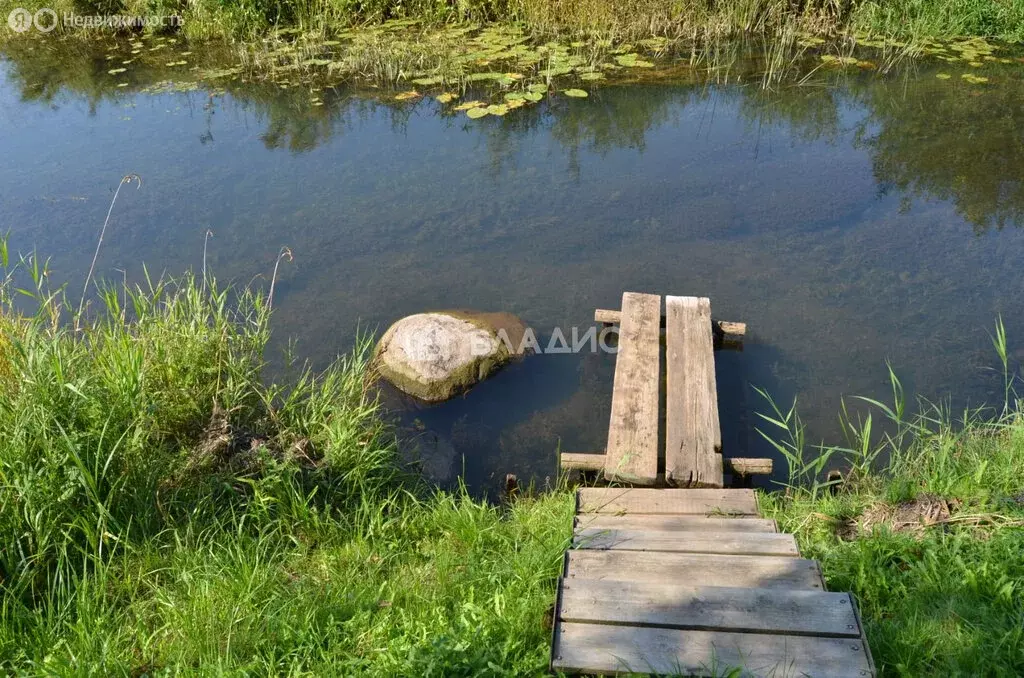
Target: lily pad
632, 60
943, 76
496, 109
115, 71
405, 96
592, 76
538, 87
468, 105
447, 97
533, 96
476, 113
576, 93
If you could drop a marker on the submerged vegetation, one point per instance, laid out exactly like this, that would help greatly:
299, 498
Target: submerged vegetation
165, 509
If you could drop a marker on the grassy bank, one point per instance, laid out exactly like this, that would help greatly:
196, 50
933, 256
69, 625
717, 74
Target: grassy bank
932, 544
165, 510
689, 19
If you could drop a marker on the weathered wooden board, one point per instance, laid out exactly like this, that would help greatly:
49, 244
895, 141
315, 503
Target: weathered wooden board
639, 521
730, 329
581, 461
695, 569
722, 608
607, 648
667, 501
745, 466
693, 437
632, 450
740, 543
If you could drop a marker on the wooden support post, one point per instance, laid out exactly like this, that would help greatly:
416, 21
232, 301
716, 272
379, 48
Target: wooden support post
743, 466
582, 461
726, 334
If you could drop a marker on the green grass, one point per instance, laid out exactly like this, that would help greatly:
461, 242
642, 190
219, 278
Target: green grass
249, 20
945, 598
164, 511
167, 509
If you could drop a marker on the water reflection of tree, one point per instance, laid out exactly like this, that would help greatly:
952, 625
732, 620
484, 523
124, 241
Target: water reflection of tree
952, 141
929, 138
810, 113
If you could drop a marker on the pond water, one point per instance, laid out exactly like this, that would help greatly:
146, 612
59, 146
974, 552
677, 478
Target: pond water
849, 221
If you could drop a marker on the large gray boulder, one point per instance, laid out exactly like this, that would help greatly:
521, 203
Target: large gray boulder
435, 356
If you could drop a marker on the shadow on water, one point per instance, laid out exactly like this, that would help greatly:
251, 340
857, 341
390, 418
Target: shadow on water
856, 219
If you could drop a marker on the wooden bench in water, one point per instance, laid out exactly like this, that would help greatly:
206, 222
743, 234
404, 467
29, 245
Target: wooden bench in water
695, 582
693, 439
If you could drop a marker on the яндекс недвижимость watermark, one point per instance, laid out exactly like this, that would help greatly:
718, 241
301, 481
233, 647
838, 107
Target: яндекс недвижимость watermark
44, 20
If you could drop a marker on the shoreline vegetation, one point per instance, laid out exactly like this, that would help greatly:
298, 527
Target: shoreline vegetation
895, 20
443, 49
165, 510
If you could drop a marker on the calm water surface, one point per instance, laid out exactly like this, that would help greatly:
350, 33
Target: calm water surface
849, 222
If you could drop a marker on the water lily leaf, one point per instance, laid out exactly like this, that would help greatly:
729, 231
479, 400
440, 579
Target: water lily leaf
405, 96
974, 79
115, 71
476, 113
515, 96
533, 96
469, 105
976, 64
943, 76
427, 82
575, 93
497, 109
515, 103
447, 97
592, 76
633, 60
554, 72
477, 77
834, 60
538, 87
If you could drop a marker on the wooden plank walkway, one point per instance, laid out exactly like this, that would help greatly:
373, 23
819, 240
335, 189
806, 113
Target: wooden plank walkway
693, 438
690, 579
632, 452
696, 583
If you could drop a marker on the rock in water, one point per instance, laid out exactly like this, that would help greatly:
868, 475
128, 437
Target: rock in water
434, 356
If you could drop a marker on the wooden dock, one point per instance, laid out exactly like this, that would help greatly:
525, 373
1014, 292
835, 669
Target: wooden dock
692, 454
684, 581
694, 582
